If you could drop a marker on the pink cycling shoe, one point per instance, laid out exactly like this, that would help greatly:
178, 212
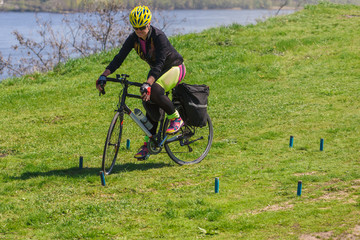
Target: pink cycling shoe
143, 153
175, 125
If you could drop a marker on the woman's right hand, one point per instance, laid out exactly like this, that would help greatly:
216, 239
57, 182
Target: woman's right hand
100, 84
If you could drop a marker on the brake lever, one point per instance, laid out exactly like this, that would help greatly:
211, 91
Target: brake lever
102, 92
103, 89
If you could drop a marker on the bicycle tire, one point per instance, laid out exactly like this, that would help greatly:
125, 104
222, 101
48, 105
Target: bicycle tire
202, 138
112, 143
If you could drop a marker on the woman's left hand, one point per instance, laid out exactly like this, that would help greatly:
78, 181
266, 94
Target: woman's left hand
145, 91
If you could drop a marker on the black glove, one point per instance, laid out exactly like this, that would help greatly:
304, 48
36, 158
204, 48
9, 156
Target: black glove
100, 84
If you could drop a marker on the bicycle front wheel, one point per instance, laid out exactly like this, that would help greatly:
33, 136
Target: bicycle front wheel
112, 143
191, 144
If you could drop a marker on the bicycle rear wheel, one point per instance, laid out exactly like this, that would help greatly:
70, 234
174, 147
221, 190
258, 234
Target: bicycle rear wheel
191, 144
112, 143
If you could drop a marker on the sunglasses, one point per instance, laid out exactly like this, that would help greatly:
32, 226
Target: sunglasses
140, 28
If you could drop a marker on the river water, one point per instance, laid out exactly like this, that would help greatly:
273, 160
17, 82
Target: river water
179, 21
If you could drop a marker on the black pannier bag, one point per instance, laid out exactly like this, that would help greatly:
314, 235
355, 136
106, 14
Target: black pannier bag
194, 99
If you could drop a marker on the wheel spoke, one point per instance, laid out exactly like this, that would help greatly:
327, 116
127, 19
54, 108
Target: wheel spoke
191, 144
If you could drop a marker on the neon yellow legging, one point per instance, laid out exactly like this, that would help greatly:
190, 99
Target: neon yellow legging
172, 78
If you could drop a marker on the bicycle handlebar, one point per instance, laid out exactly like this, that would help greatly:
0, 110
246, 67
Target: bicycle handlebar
122, 79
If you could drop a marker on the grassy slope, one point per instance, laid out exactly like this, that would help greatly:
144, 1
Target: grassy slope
291, 75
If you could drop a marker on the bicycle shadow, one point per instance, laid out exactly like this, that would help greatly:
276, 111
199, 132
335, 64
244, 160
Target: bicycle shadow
144, 166
76, 172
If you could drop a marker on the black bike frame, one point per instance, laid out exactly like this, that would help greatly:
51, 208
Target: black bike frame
123, 107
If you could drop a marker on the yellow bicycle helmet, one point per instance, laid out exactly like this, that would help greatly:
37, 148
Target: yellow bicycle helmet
140, 16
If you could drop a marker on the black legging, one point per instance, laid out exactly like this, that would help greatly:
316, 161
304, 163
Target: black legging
159, 100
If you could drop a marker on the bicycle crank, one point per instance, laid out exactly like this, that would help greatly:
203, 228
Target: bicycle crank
154, 148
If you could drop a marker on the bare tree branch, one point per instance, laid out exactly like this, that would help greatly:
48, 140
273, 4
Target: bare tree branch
282, 5
104, 26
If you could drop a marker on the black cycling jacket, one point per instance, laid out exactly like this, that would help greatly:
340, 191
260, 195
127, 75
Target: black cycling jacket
160, 54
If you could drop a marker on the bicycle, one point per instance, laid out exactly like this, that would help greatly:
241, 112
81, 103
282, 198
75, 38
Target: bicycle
189, 145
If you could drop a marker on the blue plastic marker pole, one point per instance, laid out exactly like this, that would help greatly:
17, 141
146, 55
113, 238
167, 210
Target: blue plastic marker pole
299, 188
128, 144
291, 141
102, 176
217, 185
321, 144
81, 162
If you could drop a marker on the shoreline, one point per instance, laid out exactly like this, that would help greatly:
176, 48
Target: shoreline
158, 9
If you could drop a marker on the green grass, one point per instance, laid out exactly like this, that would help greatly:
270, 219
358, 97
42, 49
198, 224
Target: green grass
290, 75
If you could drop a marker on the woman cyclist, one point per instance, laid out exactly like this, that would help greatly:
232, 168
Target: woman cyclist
167, 70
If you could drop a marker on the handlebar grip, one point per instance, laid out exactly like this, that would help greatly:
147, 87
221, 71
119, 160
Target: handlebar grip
102, 84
